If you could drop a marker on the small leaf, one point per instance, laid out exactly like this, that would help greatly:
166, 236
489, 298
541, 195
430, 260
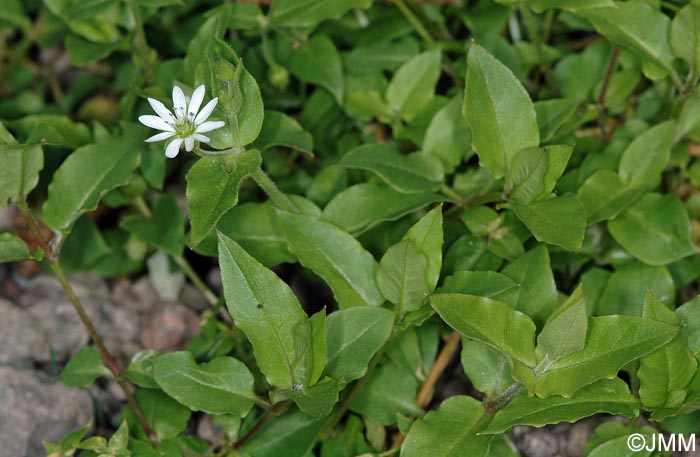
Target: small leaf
165, 229
334, 255
278, 129
534, 172
292, 430
86, 176
499, 111
167, 417
402, 276
222, 386
685, 43
354, 336
13, 248
318, 62
656, 230
489, 284
624, 290
265, 309
316, 401
604, 195
83, 368
413, 84
448, 136
308, 13
427, 237
647, 156
612, 342
211, 191
605, 396
414, 173
494, 323
565, 330
140, 369
560, 221
451, 431
19, 173
487, 368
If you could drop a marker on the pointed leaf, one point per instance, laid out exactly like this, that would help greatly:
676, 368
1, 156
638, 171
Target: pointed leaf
83, 368
402, 276
647, 156
413, 84
565, 330
19, 173
560, 221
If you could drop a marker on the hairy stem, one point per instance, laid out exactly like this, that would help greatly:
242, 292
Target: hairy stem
415, 22
279, 199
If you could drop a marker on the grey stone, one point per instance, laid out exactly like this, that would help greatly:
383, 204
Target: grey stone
20, 338
34, 411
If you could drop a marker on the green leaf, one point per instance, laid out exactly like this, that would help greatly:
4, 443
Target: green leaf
624, 291
222, 386
555, 116
265, 309
665, 374
487, 368
494, 323
487, 284
335, 256
612, 342
311, 349
308, 13
83, 52
13, 248
685, 33
413, 84
605, 396
293, 430
402, 276
167, 417
565, 330
140, 369
647, 156
638, 26
604, 195
413, 173
536, 289
211, 191
388, 392
278, 129
370, 208
560, 221
86, 176
165, 229
83, 368
535, 171
316, 401
448, 136
318, 62
354, 336
541, 5
19, 173
656, 230
451, 431
427, 237
499, 111
12, 14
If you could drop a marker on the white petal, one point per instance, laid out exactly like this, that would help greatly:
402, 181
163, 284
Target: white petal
161, 110
196, 102
209, 126
189, 143
156, 122
160, 137
173, 148
206, 111
201, 138
179, 102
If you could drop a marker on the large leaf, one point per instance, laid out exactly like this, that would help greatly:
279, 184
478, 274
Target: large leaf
308, 13
565, 330
86, 175
211, 190
639, 26
293, 430
413, 84
354, 336
665, 374
451, 431
318, 62
487, 368
494, 323
265, 309
612, 342
19, 173
603, 196
407, 174
372, 204
604, 396
402, 276
334, 255
222, 386
560, 221
656, 230
646, 157
499, 111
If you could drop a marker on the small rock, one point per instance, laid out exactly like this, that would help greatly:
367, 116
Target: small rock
170, 328
539, 443
61, 327
20, 338
39, 410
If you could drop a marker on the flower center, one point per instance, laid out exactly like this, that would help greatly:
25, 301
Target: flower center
184, 128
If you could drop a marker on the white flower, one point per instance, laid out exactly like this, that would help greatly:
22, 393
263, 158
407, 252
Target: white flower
187, 125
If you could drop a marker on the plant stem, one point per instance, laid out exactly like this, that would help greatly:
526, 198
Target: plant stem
141, 41
602, 121
107, 358
545, 67
453, 195
280, 200
415, 22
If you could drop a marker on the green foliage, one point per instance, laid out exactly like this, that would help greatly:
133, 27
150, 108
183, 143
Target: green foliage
516, 181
